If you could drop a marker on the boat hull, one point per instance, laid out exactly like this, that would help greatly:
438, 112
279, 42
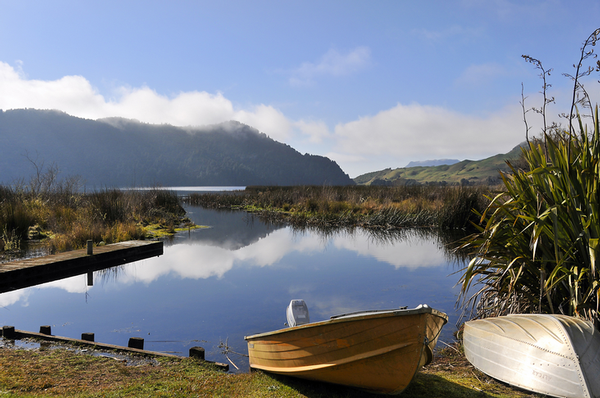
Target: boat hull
556, 355
379, 351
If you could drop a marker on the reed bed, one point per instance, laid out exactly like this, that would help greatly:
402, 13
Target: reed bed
65, 219
445, 207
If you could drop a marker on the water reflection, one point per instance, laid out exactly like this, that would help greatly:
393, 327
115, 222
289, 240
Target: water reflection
235, 279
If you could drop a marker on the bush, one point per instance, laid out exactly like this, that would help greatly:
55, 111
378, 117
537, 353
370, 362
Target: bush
538, 249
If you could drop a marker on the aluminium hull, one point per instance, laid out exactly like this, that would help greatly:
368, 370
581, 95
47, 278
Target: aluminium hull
379, 351
556, 355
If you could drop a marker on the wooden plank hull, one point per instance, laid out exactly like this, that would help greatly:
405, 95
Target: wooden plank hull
380, 351
556, 355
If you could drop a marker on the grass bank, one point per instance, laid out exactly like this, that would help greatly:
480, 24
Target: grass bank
61, 372
445, 207
65, 219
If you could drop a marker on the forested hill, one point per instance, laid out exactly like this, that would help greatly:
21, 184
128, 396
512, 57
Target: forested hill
123, 153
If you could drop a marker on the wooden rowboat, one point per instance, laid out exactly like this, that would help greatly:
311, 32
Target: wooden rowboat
556, 355
380, 351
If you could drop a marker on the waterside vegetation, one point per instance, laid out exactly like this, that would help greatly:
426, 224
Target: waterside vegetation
373, 207
538, 249
56, 213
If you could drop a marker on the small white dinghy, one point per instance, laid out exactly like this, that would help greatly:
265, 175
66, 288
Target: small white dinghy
556, 355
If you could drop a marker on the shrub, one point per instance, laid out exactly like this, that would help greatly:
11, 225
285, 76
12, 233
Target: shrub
538, 250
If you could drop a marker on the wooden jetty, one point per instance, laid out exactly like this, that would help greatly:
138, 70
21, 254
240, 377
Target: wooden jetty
34, 271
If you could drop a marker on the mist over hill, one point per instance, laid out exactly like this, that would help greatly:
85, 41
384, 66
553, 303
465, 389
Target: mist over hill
119, 152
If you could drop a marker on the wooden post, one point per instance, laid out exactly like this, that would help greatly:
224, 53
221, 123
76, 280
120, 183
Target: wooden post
46, 329
136, 342
197, 352
90, 247
8, 332
87, 336
90, 278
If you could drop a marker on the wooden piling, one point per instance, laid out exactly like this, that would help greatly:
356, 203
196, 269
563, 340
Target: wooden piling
8, 332
87, 336
136, 342
197, 352
46, 329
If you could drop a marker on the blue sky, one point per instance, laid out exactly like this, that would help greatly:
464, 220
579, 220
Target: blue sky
370, 84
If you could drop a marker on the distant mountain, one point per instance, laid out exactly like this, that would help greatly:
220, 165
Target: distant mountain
123, 153
434, 162
467, 172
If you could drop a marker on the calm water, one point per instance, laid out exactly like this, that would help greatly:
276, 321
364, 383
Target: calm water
219, 284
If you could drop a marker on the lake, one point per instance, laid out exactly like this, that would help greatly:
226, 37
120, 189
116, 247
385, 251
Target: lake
213, 286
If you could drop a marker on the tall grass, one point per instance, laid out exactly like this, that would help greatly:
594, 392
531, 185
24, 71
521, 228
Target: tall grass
70, 218
447, 207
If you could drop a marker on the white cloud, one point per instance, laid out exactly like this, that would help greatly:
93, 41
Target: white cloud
266, 119
9, 298
74, 284
72, 94
186, 108
390, 138
417, 132
332, 64
316, 131
76, 96
412, 252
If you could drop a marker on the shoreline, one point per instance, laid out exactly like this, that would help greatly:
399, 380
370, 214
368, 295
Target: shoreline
52, 369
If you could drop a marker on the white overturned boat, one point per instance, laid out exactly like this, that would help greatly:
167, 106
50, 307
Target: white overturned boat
556, 355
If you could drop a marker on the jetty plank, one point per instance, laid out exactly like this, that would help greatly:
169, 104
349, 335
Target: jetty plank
34, 271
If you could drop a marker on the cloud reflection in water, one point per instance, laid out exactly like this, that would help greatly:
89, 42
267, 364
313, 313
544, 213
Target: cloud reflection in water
197, 260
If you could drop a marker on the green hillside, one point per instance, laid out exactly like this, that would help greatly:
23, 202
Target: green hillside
470, 172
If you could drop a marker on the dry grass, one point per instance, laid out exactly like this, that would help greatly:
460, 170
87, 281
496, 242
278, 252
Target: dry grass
67, 222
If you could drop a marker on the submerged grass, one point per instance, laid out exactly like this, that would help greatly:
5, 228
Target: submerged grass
445, 207
61, 372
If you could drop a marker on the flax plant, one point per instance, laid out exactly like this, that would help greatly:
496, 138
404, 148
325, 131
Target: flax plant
537, 249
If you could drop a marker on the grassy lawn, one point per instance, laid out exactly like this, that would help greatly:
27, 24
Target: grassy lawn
62, 372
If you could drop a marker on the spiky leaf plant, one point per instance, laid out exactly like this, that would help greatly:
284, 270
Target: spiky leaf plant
537, 249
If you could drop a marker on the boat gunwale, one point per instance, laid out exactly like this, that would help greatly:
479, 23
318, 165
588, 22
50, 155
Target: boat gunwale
356, 316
